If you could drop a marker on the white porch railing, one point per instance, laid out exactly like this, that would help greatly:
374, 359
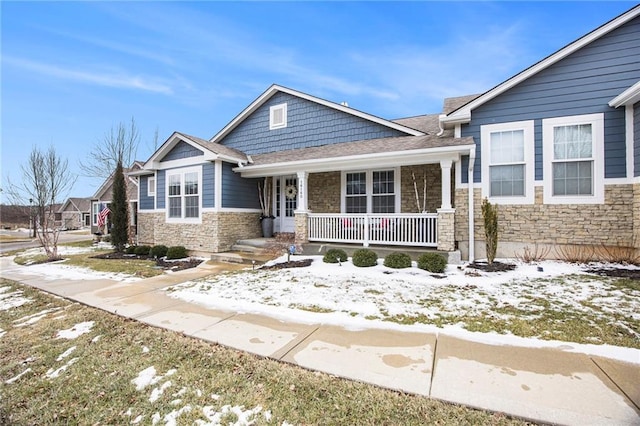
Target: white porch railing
365, 229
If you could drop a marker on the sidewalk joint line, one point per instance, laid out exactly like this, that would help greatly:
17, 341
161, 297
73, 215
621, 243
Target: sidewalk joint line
433, 364
299, 343
615, 384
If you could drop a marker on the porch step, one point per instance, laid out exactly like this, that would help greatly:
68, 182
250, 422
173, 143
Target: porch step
240, 257
245, 249
255, 242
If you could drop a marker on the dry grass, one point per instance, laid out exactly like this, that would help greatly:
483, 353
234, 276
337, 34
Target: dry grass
98, 388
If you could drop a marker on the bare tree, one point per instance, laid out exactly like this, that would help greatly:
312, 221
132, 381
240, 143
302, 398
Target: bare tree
119, 145
46, 180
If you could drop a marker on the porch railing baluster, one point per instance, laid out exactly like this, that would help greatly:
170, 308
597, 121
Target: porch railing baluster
391, 229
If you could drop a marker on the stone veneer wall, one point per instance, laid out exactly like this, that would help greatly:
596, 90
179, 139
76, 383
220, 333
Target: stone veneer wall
611, 223
217, 232
434, 187
323, 191
636, 215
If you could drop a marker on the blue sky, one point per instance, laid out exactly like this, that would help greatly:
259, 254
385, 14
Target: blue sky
70, 71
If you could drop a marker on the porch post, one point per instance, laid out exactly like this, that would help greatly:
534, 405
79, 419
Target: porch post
302, 212
303, 206
446, 214
445, 167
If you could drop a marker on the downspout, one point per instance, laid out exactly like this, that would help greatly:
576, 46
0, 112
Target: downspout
441, 132
472, 160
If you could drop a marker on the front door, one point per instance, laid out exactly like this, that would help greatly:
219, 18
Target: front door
286, 202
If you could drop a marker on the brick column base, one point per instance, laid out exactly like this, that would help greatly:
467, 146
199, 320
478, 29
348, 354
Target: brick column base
446, 229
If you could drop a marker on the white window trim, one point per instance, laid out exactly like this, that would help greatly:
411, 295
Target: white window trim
597, 123
529, 161
369, 188
149, 192
182, 172
272, 110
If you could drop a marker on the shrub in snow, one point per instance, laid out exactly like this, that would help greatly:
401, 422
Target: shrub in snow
176, 252
364, 258
397, 261
130, 250
432, 262
142, 250
334, 255
158, 251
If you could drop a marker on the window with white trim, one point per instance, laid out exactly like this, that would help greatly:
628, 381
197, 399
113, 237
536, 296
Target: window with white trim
278, 116
573, 159
507, 162
183, 194
372, 191
151, 186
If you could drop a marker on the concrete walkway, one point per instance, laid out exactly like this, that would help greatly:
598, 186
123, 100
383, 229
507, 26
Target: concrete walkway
543, 385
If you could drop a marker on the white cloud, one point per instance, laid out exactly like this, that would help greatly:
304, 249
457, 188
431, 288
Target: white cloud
108, 78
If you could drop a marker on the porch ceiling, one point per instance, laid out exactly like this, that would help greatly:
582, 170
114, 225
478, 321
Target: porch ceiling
386, 152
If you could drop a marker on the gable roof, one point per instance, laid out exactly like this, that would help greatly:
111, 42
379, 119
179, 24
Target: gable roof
271, 91
77, 205
128, 171
212, 151
463, 113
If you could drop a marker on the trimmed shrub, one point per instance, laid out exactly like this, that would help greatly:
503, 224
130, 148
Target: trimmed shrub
176, 252
334, 255
158, 251
142, 250
364, 258
397, 261
130, 250
432, 262
490, 218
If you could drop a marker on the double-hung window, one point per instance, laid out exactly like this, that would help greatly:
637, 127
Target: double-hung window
356, 192
184, 194
573, 152
373, 191
507, 162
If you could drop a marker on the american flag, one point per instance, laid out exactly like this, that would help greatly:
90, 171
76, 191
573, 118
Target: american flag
102, 216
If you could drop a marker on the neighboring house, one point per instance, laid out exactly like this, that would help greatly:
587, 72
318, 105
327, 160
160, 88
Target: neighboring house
104, 195
555, 146
75, 213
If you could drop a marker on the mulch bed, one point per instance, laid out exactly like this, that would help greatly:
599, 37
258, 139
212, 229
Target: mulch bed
620, 272
494, 267
172, 265
290, 264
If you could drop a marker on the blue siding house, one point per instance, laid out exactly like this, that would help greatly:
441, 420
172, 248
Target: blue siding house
557, 147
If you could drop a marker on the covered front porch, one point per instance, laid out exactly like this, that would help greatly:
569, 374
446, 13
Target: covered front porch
402, 197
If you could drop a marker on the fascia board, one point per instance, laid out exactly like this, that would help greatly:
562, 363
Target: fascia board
153, 163
386, 159
628, 97
464, 112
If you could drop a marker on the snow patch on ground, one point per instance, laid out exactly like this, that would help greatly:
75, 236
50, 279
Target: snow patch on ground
52, 374
76, 331
12, 299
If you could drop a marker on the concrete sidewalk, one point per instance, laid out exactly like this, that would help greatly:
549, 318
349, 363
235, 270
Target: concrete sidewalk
543, 385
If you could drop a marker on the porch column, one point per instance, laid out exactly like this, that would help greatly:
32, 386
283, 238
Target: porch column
445, 167
303, 206
446, 214
302, 212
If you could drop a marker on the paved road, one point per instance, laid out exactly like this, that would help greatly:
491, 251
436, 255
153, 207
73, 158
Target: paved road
25, 242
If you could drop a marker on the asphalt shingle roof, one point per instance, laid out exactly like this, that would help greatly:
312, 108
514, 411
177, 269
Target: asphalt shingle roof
372, 146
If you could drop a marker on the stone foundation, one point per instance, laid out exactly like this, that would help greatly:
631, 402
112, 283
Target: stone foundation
217, 232
613, 223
